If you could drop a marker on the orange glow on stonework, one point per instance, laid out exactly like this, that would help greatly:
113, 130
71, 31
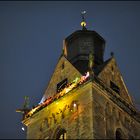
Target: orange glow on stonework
76, 82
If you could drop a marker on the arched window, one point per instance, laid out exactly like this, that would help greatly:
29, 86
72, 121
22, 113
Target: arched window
61, 134
119, 134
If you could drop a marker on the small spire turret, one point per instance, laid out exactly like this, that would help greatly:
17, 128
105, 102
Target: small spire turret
112, 54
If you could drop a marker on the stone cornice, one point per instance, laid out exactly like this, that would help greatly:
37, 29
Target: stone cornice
131, 110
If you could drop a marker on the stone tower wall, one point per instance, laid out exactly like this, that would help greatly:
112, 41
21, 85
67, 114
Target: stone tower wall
61, 114
108, 117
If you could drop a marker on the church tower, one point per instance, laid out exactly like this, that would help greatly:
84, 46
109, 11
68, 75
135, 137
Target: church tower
86, 97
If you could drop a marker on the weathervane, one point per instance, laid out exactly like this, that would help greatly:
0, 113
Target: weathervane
83, 23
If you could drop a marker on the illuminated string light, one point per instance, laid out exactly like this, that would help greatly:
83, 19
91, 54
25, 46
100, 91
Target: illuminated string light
71, 86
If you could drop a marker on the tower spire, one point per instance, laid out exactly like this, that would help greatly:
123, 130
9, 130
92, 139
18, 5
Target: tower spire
83, 23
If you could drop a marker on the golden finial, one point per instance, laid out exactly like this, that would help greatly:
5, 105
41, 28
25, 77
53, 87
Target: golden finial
83, 23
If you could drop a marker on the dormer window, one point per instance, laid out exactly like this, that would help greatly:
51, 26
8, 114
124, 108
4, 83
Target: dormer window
62, 85
63, 65
112, 68
114, 87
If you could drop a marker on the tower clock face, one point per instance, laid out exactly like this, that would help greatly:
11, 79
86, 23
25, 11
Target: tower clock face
85, 45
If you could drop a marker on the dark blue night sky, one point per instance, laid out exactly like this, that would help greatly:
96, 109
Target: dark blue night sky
31, 39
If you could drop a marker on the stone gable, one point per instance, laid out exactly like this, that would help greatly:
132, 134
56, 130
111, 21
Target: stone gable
111, 73
64, 69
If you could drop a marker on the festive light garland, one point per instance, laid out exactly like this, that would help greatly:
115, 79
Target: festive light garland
76, 82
